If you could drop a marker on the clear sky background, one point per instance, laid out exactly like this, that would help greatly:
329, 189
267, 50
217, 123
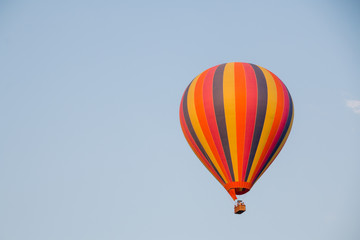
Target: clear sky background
90, 140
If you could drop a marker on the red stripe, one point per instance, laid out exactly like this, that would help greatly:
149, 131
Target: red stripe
211, 118
240, 106
251, 107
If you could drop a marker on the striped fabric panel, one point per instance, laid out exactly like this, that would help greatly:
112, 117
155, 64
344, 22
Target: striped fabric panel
236, 117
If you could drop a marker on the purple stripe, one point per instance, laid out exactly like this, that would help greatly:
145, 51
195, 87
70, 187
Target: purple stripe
218, 98
260, 115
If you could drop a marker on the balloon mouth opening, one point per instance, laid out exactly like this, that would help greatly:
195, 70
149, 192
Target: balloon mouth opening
237, 188
241, 191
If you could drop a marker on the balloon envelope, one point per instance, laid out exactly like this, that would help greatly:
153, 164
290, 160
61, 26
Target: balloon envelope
236, 117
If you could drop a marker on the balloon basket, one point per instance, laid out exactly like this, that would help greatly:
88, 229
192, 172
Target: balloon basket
239, 207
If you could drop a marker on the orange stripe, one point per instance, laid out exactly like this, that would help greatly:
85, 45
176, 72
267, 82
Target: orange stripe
240, 105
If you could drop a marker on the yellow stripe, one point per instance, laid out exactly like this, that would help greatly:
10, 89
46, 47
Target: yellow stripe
197, 127
230, 114
280, 147
269, 118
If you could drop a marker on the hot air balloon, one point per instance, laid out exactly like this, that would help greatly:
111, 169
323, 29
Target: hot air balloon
236, 117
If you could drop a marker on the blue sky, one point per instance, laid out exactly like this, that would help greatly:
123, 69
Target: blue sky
91, 145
